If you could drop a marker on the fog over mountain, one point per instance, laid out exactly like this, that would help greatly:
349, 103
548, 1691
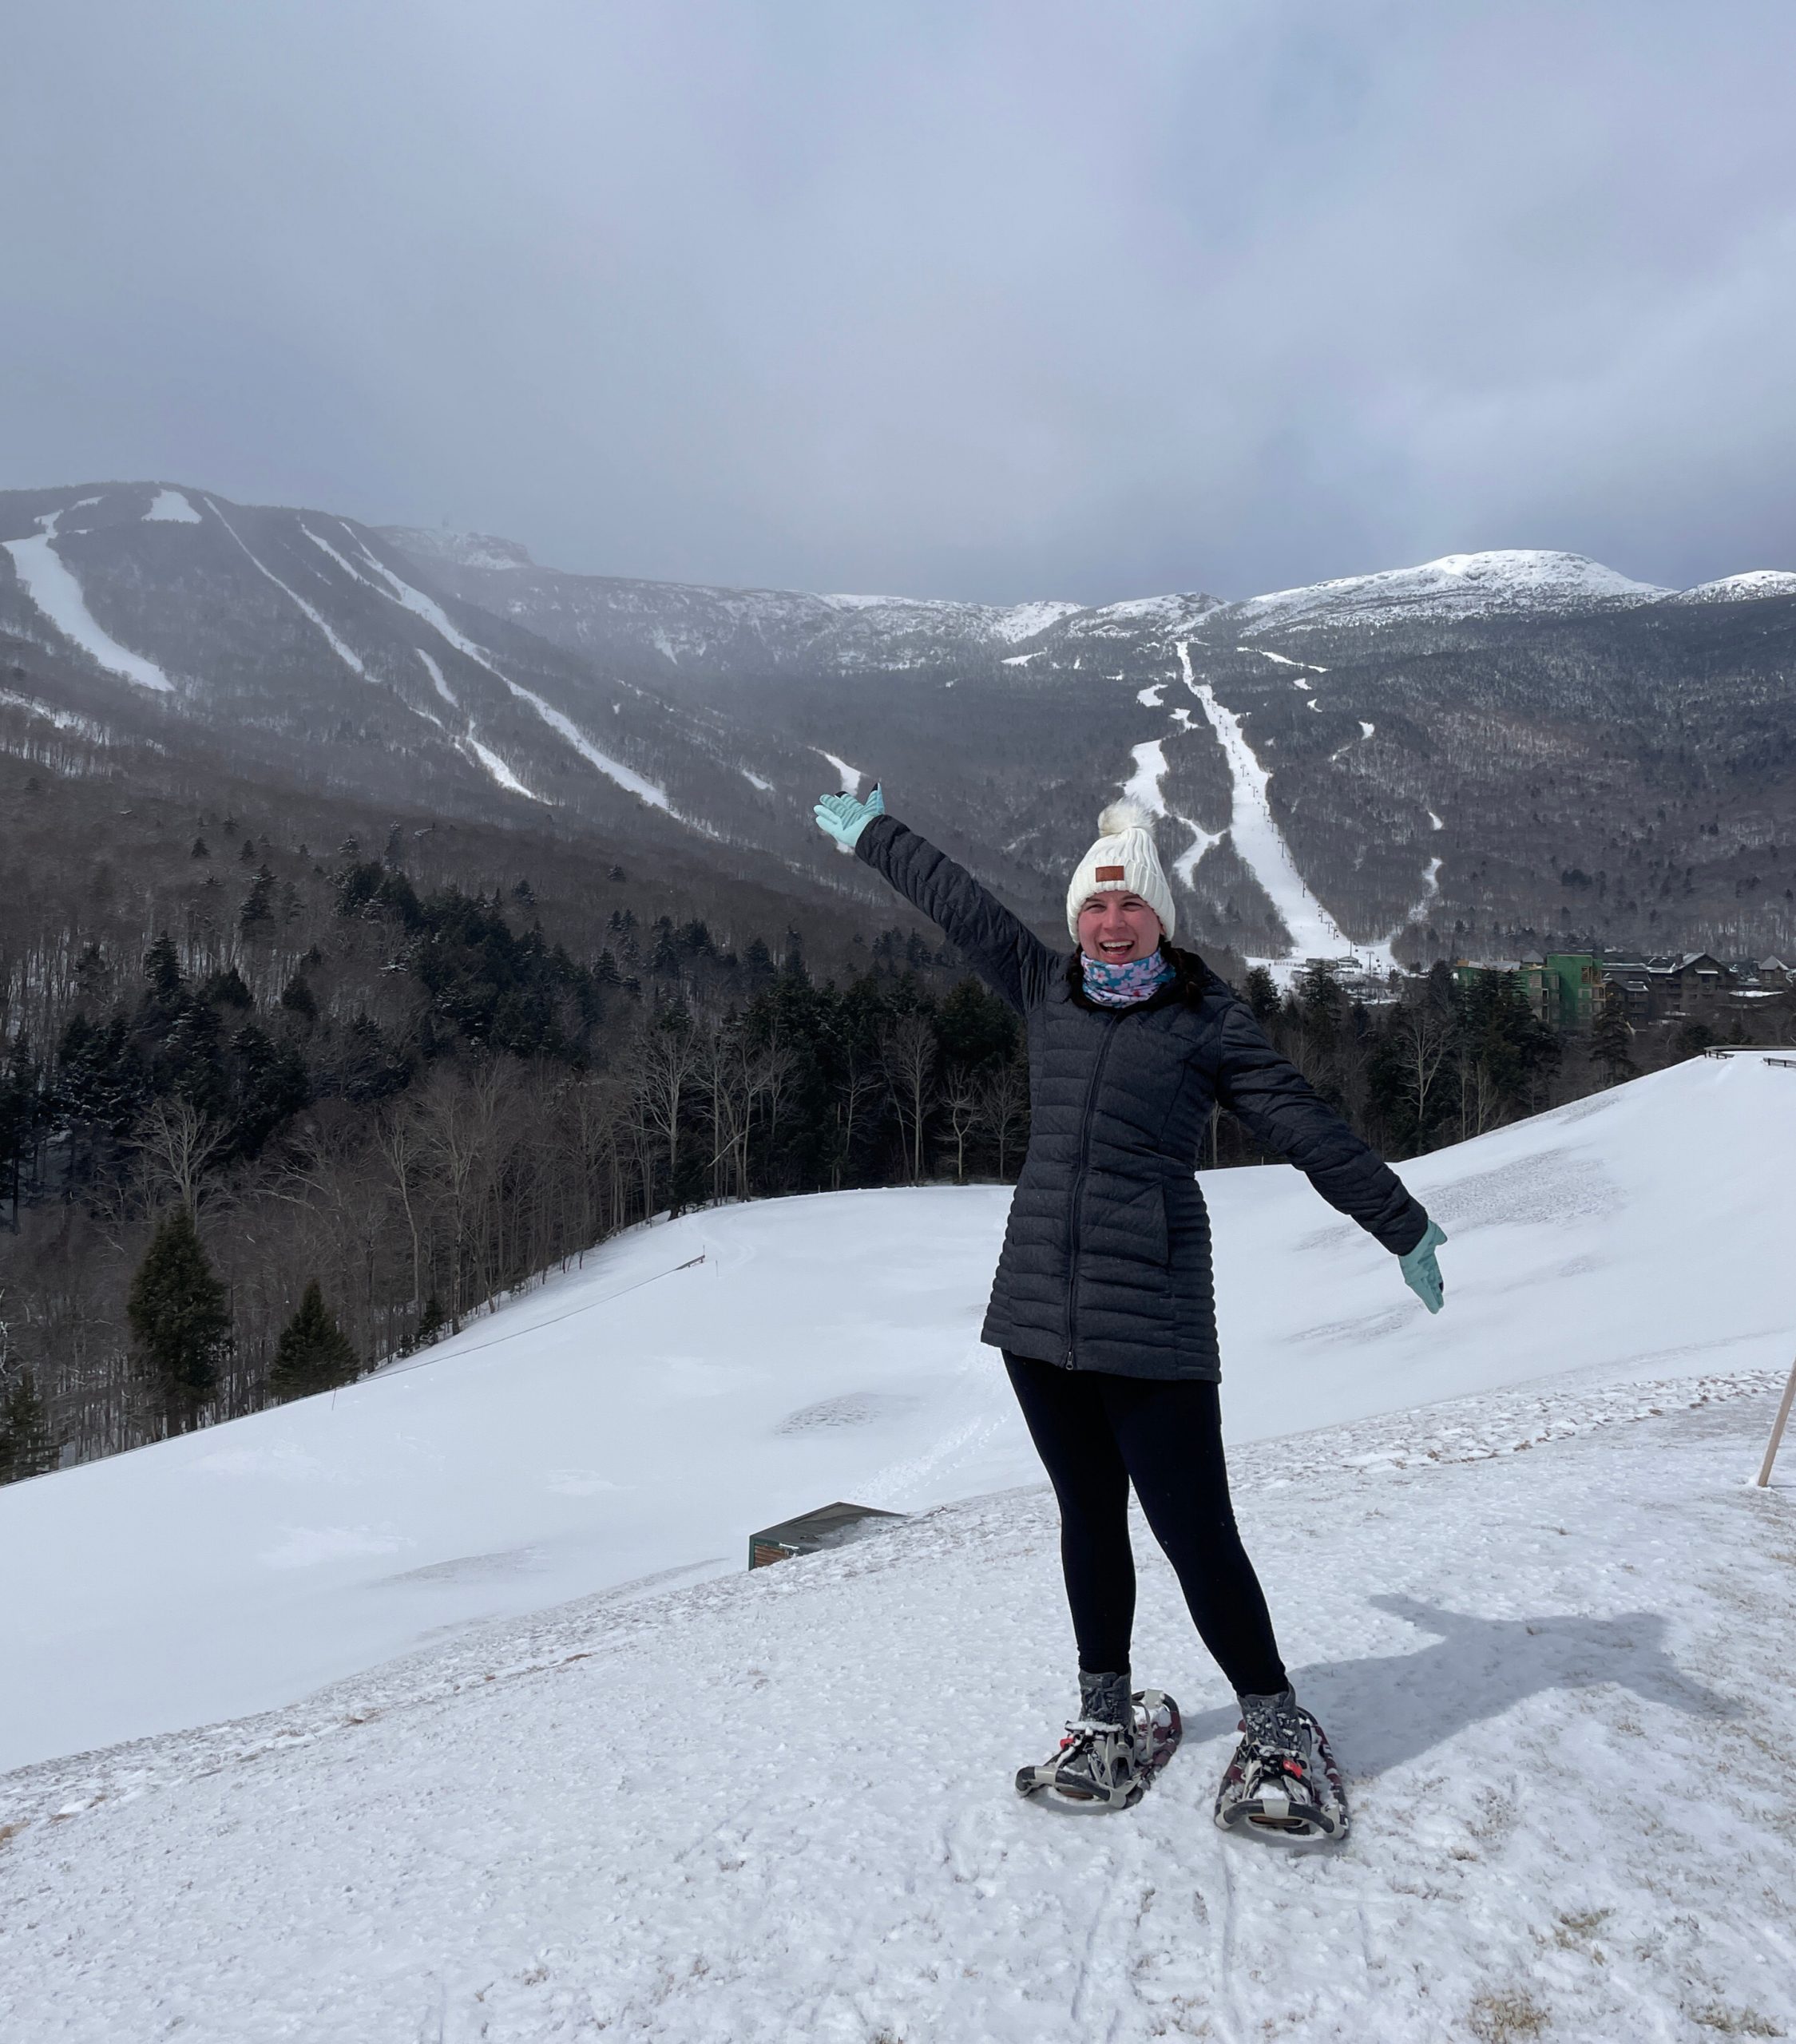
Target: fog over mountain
1487, 753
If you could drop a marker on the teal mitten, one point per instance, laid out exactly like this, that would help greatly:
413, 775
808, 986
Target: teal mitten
1421, 1273
844, 818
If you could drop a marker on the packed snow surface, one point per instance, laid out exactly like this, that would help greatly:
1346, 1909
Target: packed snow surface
48, 580
646, 1412
1456, 585
169, 507
779, 1806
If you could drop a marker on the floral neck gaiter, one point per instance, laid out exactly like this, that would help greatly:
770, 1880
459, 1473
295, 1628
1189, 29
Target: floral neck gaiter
1122, 986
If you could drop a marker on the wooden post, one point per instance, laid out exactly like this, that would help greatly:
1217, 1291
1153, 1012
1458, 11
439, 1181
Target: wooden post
1782, 1421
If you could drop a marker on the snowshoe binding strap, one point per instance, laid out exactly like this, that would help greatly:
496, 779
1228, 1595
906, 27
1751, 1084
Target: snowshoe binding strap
1283, 1785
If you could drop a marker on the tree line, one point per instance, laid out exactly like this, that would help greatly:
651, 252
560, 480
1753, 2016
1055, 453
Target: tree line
211, 1200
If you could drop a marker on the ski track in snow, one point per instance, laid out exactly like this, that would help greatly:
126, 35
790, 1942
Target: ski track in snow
468, 743
1313, 931
402, 593
1283, 659
436, 674
1258, 839
1143, 785
851, 776
1514, 1649
50, 583
496, 767
1430, 888
755, 780
170, 507
347, 655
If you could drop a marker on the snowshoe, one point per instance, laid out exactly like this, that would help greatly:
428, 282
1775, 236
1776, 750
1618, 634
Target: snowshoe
1283, 1785
1111, 1752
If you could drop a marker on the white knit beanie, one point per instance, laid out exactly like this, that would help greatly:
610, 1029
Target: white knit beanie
1124, 860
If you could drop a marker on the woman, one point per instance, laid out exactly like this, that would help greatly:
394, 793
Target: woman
1102, 1304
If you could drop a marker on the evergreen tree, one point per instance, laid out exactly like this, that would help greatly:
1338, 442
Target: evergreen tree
430, 1329
313, 1352
1611, 1039
162, 972
298, 998
258, 906
28, 1447
179, 1313
1261, 991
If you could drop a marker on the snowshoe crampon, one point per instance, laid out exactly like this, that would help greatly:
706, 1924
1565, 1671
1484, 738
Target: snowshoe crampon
1102, 1766
1288, 1792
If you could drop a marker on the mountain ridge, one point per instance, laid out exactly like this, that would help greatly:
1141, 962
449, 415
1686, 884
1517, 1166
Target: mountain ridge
1487, 753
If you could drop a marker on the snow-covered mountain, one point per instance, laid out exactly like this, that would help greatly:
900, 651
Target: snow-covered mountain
776, 1805
1487, 754
602, 615
1512, 582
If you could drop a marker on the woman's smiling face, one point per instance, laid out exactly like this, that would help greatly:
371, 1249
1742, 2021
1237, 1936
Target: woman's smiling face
1118, 927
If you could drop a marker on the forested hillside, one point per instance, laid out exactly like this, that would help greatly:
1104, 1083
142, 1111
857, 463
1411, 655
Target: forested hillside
340, 1100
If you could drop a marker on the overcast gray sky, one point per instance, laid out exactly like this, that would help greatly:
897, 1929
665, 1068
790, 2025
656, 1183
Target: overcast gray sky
936, 297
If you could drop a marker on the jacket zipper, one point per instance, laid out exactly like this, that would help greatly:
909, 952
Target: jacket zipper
1078, 1192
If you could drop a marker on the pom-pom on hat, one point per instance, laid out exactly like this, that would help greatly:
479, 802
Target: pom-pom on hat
1124, 860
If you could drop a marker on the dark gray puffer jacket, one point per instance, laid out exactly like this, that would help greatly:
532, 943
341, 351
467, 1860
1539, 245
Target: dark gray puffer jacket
1106, 1262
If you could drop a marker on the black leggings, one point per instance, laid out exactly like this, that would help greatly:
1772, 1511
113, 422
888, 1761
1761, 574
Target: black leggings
1098, 1433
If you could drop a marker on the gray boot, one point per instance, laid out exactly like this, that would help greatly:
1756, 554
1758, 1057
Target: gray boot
1101, 1765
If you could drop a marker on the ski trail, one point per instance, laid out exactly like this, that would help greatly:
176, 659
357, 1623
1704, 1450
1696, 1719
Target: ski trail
498, 768
170, 507
1143, 785
1202, 841
1284, 660
49, 583
1430, 888
1313, 931
349, 658
851, 776
433, 615
468, 743
435, 673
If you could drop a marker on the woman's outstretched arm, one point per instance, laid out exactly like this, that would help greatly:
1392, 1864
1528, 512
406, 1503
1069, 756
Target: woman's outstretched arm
1011, 959
1281, 1109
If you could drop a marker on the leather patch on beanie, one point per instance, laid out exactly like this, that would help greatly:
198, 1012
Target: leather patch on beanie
1110, 873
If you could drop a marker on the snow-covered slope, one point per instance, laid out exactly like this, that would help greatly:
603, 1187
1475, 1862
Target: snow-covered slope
1508, 581
778, 1807
646, 1414
1756, 584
